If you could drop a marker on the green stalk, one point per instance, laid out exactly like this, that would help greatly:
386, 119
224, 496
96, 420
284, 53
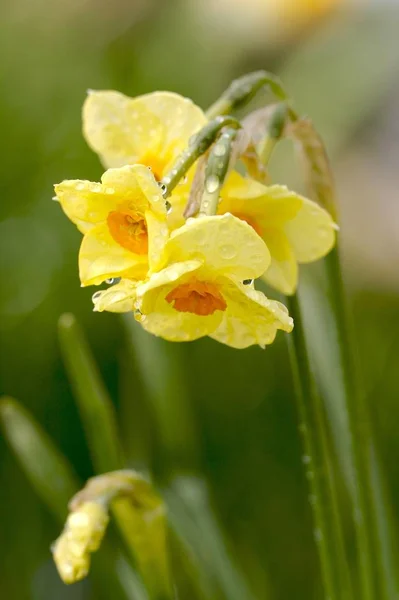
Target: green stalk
368, 539
242, 90
328, 533
216, 171
198, 145
323, 498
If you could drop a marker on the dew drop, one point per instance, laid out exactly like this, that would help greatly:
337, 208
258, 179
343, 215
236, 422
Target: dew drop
212, 184
227, 251
113, 280
168, 207
219, 150
312, 499
96, 295
183, 180
248, 281
318, 535
163, 188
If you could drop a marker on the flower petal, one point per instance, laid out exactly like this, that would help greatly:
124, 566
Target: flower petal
153, 127
251, 318
119, 298
158, 234
282, 273
84, 203
223, 242
161, 318
120, 129
311, 233
101, 258
263, 205
135, 187
180, 117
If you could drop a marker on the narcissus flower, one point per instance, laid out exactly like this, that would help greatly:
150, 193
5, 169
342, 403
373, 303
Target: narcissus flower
123, 220
151, 130
295, 229
200, 291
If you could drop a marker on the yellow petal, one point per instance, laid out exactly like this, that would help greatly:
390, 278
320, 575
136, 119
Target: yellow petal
311, 233
251, 318
119, 298
158, 234
160, 318
263, 205
135, 187
121, 130
151, 129
101, 258
282, 273
180, 117
224, 242
85, 203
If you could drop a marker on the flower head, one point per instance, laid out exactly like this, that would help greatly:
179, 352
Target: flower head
123, 220
151, 130
200, 292
295, 229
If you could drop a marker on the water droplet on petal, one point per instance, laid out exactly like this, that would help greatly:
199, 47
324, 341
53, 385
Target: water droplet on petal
163, 188
96, 295
248, 281
212, 184
227, 251
168, 207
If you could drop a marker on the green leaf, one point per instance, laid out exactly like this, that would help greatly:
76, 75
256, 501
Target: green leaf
95, 405
192, 519
46, 468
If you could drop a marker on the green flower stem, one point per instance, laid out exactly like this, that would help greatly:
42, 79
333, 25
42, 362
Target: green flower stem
216, 170
323, 498
369, 539
242, 90
365, 518
198, 145
275, 131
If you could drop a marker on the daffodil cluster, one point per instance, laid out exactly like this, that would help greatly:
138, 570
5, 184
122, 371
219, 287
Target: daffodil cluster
184, 279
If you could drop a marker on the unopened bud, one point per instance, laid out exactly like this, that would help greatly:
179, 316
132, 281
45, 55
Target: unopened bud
82, 534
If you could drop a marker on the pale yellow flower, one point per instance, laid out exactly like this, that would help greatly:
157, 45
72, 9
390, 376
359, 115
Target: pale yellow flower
151, 130
295, 229
123, 220
200, 292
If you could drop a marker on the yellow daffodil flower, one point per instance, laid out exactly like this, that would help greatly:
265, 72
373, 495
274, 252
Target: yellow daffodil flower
123, 220
200, 292
151, 130
295, 229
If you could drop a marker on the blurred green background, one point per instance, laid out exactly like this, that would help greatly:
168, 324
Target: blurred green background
229, 415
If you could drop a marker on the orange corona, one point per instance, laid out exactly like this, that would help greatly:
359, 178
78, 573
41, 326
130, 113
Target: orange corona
198, 297
129, 231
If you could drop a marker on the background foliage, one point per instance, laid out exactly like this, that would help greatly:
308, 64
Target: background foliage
226, 415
